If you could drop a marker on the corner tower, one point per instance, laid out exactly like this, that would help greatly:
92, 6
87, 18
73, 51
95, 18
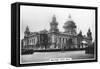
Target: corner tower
27, 32
89, 35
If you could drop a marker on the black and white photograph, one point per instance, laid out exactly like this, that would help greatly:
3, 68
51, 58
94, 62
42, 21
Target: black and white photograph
56, 34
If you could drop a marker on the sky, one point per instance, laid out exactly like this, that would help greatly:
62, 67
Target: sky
38, 18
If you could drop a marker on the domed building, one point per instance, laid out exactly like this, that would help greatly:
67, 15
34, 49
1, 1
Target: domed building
55, 39
66, 39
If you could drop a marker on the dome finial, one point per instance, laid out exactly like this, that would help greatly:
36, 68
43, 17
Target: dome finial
69, 16
53, 15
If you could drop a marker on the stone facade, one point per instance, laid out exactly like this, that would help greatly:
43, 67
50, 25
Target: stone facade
55, 39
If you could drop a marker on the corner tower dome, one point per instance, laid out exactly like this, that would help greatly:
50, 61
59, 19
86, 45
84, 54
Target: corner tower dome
27, 32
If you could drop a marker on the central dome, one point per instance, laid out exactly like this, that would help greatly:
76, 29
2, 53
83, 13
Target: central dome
69, 23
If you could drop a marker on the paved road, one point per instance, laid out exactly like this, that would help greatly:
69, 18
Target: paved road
46, 56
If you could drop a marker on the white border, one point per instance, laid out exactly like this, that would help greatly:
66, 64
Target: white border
57, 61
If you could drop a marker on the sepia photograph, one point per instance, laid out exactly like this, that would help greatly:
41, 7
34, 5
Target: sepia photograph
56, 34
